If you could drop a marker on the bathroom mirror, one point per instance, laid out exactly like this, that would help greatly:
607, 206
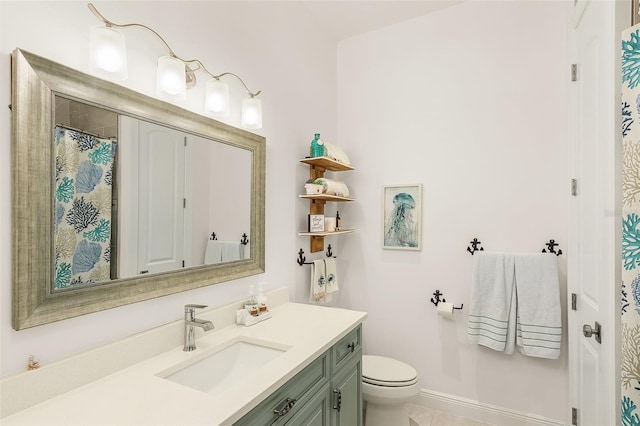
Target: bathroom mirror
41, 89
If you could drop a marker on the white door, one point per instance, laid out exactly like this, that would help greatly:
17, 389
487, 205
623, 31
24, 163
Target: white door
594, 250
161, 199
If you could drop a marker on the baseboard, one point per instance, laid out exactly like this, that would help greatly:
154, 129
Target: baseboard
479, 411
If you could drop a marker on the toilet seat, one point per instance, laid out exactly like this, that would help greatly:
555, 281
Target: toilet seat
387, 372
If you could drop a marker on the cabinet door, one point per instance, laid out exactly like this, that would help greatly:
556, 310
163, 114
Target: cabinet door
347, 396
316, 412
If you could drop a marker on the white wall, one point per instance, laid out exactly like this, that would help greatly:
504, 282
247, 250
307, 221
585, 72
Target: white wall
293, 66
471, 102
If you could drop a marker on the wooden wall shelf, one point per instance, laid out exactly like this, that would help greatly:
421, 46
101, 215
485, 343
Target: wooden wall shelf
317, 201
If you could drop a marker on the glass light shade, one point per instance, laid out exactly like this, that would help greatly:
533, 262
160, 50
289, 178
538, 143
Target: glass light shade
216, 99
171, 80
251, 113
107, 52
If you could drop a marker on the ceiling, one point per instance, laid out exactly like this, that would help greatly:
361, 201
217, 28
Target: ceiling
342, 19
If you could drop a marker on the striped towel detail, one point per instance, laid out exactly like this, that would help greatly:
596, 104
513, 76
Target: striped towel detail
539, 324
486, 331
492, 297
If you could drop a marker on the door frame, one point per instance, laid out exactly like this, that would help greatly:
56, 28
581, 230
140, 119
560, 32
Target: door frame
618, 17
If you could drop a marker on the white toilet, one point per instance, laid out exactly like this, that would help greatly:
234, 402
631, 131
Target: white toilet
387, 385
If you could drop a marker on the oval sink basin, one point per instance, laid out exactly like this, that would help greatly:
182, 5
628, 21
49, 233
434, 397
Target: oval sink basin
225, 366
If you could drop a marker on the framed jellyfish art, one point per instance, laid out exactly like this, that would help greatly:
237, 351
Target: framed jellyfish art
402, 217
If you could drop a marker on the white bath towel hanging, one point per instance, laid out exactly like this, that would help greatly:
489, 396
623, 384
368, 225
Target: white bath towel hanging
331, 275
492, 312
539, 314
213, 252
232, 250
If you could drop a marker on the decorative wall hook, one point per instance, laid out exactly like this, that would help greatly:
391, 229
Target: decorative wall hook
245, 240
551, 245
328, 252
301, 259
436, 299
213, 236
474, 246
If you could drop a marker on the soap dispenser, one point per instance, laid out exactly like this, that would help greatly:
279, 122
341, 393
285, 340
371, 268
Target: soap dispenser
252, 303
262, 299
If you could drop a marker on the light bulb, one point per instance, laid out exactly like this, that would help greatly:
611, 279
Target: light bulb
216, 98
251, 113
107, 52
171, 80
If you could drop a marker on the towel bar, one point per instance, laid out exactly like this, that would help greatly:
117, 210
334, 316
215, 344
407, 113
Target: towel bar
302, 260
551, 245
244, 240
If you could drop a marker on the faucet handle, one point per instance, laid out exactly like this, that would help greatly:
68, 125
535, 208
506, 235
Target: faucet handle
192, 307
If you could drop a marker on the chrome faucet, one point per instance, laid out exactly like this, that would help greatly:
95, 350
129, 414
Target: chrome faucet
190, 322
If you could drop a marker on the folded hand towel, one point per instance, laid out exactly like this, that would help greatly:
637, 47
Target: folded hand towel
331, 275
213, 252
492, 304
336, 153
333, 187
318, 293
539, 313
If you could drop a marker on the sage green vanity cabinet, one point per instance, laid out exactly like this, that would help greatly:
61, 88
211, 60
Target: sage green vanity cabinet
316, 412
328, 392
347, 392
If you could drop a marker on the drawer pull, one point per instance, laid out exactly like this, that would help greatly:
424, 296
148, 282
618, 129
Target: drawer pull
351, 346
337, 401
286, 406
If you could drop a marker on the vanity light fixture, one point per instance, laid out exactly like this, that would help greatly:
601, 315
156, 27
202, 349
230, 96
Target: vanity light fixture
174, 75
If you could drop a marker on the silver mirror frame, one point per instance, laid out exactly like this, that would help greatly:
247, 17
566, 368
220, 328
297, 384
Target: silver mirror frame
35, 82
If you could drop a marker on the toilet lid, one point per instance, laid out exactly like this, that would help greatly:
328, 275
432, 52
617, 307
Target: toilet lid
383, 371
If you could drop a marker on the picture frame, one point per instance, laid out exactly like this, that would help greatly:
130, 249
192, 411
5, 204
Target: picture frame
402, 217
635, 9
316, 223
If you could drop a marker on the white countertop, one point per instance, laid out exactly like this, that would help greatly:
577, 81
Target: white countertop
137, 396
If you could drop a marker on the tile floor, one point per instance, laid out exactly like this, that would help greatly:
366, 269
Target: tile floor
419, 416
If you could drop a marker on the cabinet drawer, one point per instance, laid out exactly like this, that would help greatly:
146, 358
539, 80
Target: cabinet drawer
291, 396
347, 348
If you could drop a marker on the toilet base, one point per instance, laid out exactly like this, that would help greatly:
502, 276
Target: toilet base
386, 414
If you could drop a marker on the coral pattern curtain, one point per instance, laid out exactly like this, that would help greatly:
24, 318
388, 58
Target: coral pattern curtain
630, 324
83, 195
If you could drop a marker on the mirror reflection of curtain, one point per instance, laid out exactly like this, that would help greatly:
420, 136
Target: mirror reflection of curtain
83, 197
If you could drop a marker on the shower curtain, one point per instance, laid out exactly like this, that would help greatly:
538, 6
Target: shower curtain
83, 196
630, 324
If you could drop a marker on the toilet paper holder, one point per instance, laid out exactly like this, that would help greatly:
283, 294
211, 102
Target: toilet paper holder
439, 297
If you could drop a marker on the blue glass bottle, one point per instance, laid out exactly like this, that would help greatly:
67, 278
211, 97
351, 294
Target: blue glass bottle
317, 147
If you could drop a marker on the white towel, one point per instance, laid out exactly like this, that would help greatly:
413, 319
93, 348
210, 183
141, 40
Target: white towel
232, 250
539, 315
333, 187
318, 290
492, 305
331, 275
213, 252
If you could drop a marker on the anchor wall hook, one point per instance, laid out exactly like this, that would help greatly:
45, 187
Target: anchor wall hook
437, 300
551, 245
474, 246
